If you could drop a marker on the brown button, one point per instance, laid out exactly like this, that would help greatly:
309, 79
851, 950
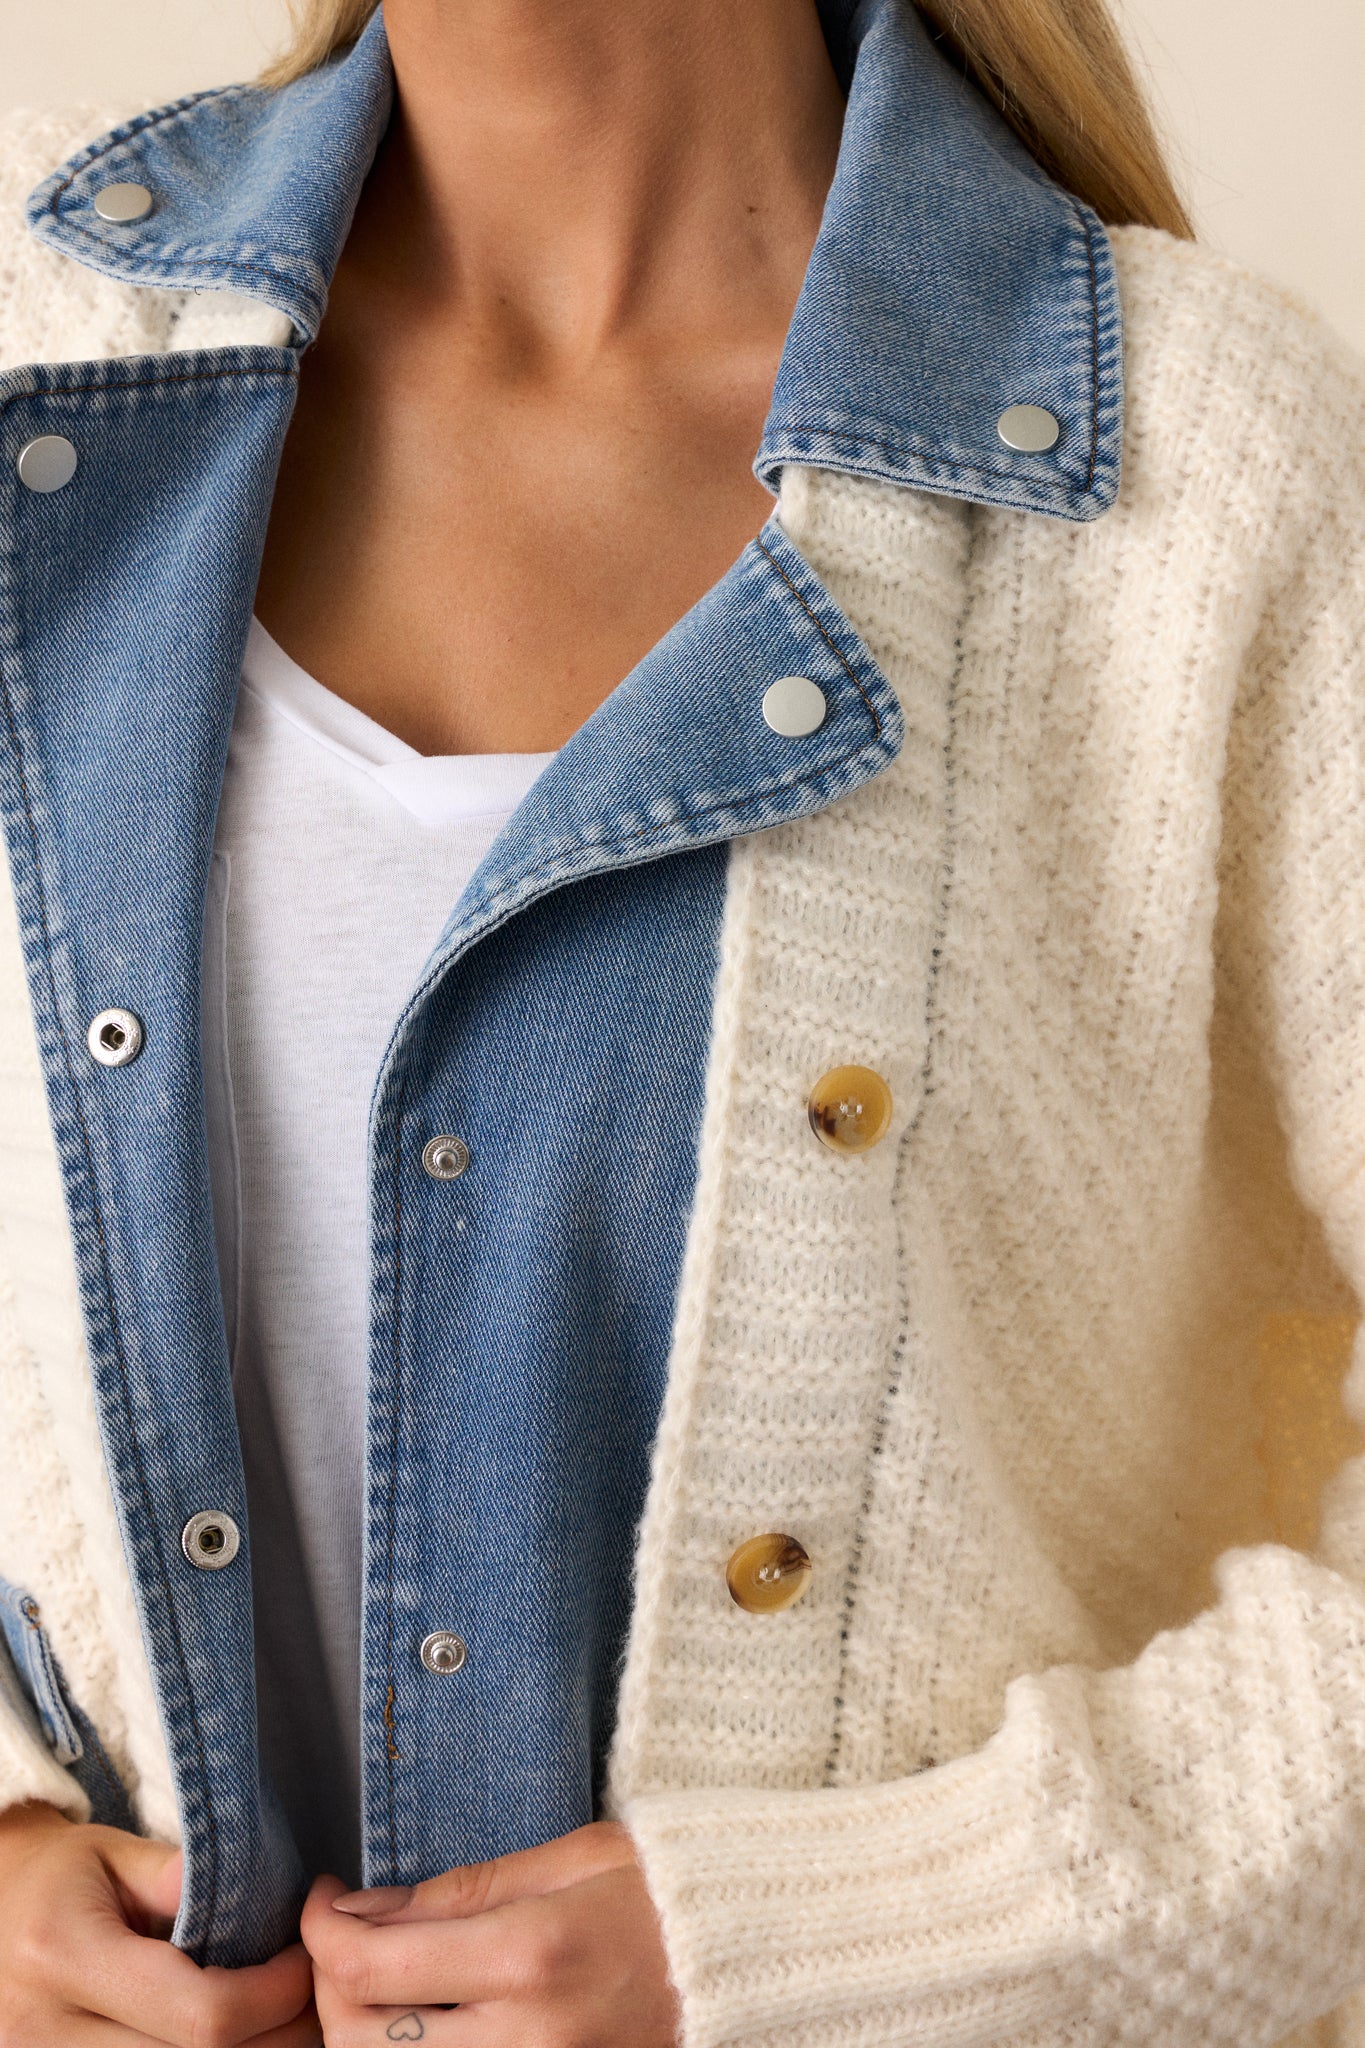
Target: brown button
850, 1109
767, 1574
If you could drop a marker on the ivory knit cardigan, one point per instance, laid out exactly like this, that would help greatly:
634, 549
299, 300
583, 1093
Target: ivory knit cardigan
1067, 1742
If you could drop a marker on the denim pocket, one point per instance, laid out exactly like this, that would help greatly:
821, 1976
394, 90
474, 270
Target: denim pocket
68, 1732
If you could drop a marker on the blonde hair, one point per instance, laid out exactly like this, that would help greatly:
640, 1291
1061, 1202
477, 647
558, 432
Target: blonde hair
1056, 69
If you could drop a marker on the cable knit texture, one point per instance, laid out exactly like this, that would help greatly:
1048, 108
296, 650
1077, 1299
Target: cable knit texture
1066, 1744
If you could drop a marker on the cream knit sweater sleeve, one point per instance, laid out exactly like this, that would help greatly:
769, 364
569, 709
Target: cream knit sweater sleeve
1173, 1851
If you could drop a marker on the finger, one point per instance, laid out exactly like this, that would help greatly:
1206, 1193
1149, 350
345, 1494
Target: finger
478, 1887
117, 1975
367, 2026
159, 1896
437, 1963
495, 1955
81, 2030
146, 1877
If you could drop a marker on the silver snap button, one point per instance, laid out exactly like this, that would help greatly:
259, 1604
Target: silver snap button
445, 1158
114, 1038
47, 463
123, 202
443, 1652
1029, 428
210, 1540
794, 706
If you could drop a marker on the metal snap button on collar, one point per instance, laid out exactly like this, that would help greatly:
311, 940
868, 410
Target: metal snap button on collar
47, 463
443, 1651
445, 1158
114, 1037
123, 202
850, 1109
794, 706
768, 1573
1032, 429
210, 1539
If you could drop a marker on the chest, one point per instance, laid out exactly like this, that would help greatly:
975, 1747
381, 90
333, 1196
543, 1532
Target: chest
476, 557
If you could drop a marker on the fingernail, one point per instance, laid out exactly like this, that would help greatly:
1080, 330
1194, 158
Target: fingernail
374, 1903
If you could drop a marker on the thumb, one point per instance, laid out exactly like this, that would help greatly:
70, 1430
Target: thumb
480, 1887
147, 1876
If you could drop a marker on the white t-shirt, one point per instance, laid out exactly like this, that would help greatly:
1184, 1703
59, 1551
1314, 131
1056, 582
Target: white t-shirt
340, 854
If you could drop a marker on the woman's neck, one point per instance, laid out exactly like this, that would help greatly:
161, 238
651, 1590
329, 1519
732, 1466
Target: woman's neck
570, 176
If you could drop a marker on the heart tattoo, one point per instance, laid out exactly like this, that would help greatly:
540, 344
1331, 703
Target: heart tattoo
409, 2028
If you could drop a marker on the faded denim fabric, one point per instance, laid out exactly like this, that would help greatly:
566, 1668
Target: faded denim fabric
124, 602
522, 1314
32, 1679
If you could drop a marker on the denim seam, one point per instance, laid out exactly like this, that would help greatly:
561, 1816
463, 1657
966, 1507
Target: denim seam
155, 117
800, 780
503, 903
390, 1742
1094, 345
835, 651
141, 383
115, 1327
899, 453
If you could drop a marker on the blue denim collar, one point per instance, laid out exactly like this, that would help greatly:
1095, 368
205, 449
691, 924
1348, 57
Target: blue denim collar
950, 280
680, 756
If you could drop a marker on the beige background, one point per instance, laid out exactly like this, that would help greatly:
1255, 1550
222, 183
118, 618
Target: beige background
1261, 104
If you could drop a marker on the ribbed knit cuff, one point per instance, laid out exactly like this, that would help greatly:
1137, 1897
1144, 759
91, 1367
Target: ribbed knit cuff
941, 1909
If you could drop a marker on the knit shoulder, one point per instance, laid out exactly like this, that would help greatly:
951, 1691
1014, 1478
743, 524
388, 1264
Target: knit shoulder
1237, 385
52, 309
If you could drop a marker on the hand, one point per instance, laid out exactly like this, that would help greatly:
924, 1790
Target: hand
84, 1959
553, 1948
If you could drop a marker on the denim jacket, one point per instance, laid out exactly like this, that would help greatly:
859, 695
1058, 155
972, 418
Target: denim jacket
957, 333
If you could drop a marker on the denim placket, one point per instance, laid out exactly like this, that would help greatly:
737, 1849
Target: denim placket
521, 1314
124, 602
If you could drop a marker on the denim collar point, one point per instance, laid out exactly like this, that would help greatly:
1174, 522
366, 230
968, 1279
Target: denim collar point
951, 278
253, 191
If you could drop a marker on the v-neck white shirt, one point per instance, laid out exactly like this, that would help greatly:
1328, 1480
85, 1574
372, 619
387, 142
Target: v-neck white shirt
340, 854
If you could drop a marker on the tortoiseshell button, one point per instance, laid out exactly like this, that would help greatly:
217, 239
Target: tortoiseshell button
767, 1574
850, 1109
